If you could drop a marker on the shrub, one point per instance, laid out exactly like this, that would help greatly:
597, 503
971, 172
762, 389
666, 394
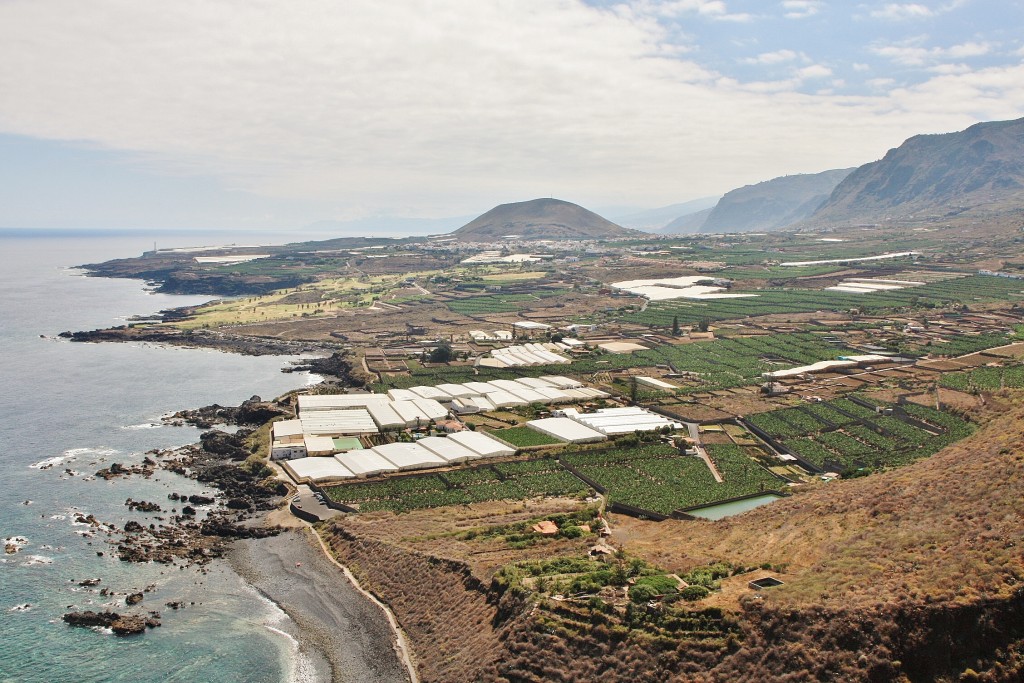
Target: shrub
570, 532
642, 593
694, 593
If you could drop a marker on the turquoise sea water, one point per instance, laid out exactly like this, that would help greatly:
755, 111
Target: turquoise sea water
82, 407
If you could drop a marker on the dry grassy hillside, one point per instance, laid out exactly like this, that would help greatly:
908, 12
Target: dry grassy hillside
950, 527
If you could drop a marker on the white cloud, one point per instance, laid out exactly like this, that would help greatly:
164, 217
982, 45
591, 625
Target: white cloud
710, 9
776, 57
901, 11
814, 71
442, 109
801, 9
912, 53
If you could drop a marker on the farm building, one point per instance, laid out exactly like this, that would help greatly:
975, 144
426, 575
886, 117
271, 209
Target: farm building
565, 429
286, 440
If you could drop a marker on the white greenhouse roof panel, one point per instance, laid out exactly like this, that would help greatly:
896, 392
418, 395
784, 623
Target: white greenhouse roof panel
450, 450
365, 463
287, 428
562, 382
656, 383
410, 412
316, 469
319, 445
481, 402
529, 395
552, 395
534, 383
479, 387
316, 402
431, 408
401, 395
385, 416
409, 456
504, 399
429, 392
482, 444
338, 422
455, 390
564, 429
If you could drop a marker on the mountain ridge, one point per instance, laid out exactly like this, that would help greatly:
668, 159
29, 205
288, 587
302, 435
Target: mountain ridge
976, 171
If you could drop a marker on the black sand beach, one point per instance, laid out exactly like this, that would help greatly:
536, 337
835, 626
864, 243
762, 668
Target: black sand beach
340, 628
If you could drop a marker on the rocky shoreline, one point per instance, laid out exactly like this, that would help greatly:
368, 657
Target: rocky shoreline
209, 339
203, 527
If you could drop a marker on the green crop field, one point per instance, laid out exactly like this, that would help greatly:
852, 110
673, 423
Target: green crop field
842, 435
505, 481
659, 479
524, 437
985, 379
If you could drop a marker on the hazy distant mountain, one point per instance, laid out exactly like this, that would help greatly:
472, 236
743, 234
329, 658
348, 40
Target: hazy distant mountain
978, 171
541, 219
687, 223
773, 204
656, 220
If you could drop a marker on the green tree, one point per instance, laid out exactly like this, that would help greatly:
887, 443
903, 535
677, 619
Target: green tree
442, 353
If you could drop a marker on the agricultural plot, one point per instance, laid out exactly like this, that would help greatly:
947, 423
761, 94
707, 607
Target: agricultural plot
723, 363
500, 303
524, 437
719, 364
961, 345
657, 478
857, 437
985, 379
483, 305
504, 481
959, 291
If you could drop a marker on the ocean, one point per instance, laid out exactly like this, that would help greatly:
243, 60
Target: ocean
69, 409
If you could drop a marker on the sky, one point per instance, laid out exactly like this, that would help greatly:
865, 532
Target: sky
257, 114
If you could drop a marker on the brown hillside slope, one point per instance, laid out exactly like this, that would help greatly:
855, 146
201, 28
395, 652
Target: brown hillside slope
912, 575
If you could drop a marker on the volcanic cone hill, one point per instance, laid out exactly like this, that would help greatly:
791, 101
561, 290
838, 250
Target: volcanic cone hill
540, 219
